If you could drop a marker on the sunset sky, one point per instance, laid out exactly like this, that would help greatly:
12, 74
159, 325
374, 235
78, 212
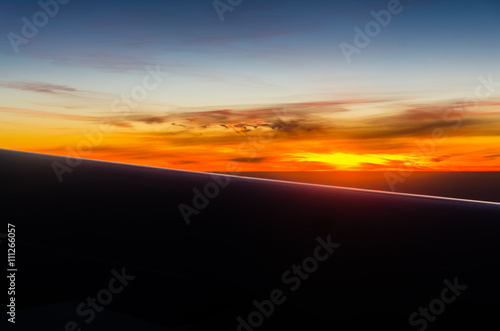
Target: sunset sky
268, 87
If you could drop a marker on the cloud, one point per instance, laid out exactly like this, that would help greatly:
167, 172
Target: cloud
249, 160
152, 119
322, 135
332, 122
184, 162
38, 87
494, 156
442, 158
47, 114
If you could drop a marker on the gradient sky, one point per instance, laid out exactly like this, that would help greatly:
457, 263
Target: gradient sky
267, 87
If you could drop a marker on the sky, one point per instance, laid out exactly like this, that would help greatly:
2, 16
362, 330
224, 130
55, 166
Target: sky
267, 85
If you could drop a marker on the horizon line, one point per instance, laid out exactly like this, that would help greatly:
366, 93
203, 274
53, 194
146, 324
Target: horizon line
273, 180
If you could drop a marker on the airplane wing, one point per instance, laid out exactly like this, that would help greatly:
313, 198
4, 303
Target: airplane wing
124, 247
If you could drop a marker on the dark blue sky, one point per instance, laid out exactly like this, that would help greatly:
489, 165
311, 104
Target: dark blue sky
263, 51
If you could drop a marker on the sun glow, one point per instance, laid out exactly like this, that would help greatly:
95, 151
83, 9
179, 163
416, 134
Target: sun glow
344, 161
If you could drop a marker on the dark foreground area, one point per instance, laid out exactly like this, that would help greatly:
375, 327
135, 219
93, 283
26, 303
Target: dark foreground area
108, 248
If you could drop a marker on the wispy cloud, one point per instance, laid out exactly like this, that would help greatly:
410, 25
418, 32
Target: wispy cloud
309, 135
38, 87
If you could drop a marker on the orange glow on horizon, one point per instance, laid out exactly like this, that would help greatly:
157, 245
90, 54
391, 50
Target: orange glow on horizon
312, 137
